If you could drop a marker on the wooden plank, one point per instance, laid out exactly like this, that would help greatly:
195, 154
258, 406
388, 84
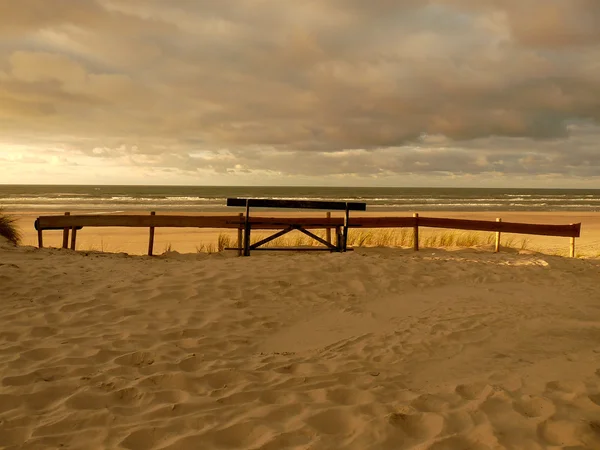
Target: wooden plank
572, 230
134, 220
416, 232
151, 238
65, 243
381, 222
305, 222
297, 204
572, 248
40, 238
328, 230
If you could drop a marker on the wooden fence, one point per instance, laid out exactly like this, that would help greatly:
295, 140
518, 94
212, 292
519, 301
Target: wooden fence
72, 223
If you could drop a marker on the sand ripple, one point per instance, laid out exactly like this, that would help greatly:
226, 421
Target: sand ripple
366, 350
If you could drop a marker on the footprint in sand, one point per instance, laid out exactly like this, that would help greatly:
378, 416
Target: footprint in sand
456, 443
473, 391
420, 426
534, 407
561, 432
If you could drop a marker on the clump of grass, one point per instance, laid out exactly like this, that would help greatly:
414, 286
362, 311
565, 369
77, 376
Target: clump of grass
206, 248
9, 228
223, 241
512, 242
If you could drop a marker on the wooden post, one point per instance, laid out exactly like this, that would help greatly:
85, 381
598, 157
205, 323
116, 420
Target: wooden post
40, 239
572, 249
338, 238
247, 230
66, 234
346, 221
416, 232
240, 236
73, 237
151, 238
328, 230
497, 246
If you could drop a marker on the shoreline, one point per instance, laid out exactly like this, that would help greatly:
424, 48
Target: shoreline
187, 240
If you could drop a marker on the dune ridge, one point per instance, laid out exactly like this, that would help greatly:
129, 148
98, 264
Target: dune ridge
378, 348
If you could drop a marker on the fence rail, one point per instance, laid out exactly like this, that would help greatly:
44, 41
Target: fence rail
73, 223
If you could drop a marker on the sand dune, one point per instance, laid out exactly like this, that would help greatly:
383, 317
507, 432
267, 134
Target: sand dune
365, 350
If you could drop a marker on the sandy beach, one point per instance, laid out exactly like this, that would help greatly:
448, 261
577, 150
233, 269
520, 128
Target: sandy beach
372, 349
134, 241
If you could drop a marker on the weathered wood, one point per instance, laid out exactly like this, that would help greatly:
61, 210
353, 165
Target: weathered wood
317, 238
346, 229
247, 228
497, 246
73, 237
65, 243
416, 232
240, 235
151, 238
305, 222
381, 222
572, 230
572, 248
338, 238
135, 220
40, 238
297, 204
328, 229
271, 238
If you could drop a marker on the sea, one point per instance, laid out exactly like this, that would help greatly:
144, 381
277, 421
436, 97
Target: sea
97, 199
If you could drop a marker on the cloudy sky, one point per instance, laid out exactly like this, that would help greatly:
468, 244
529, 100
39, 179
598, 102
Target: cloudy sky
277, 92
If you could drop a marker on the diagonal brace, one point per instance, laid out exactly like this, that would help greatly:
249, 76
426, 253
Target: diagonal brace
272, 237
316, 238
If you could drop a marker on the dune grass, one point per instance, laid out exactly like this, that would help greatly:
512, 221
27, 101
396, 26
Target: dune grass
392, 238
9, 228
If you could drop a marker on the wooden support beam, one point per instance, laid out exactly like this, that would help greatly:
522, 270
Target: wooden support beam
416, 233
572, 230
497, 246
240, 235
271, 238
40, 238
73, 237
328, 229
316, 238
572, 248
247, 228
151, 238
65, 243
346, 227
